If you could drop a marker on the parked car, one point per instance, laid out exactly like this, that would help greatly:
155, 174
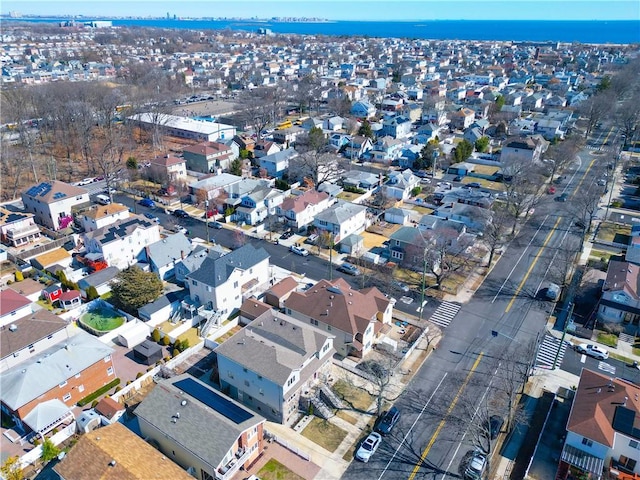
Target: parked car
147, 202
403, 287
474, 185
368, 447
216, 225
287, 234
551, 190
553, 292
495, 425
562, 198
209, 214
593, 351
299, 250
388, 420
458, 178
476, 467
312, 238
180, 213
349, 269
151, 216
179, 228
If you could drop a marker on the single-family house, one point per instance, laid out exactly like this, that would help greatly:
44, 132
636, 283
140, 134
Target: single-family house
13, 306
254, 201
265, 147
342, 219
122, 243
67, 371
361, 180
620, 300
53, 203
167, 169
56, 257
354, 317
300, 210
287, 136
333, 123
398, 216
339, 140
357, 147
550, 129
396, 126
100, 280
213, 188
473, 217
462, 118
163, 255
523, 150
70, 299
276, 164
279, 292
363, 109
386, 150
201, 429
223, 281
18, 229
400, 184
207, 157
603, 429
116, 452
271, 362
99, 216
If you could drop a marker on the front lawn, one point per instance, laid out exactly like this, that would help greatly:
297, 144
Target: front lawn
611, 232
324, 433
608, 339
356, 398
274, 470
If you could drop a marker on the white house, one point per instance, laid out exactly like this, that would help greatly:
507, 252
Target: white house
603, 430
271, 362
52, 202
163, 255
342, 219
300, 210
276, 164
103, 215
400, 184
13, 306
223, 281
18, 228
122, 244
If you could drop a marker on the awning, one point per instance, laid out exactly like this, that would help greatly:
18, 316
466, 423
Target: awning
582, 460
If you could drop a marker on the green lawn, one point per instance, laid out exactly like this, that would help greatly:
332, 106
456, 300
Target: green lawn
274, 470
608, 339
324, 433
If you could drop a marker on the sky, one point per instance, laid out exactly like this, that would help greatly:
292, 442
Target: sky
340, 10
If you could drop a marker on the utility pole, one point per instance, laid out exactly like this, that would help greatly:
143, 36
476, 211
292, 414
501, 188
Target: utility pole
206, 216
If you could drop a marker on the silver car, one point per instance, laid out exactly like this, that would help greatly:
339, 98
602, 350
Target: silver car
369, 447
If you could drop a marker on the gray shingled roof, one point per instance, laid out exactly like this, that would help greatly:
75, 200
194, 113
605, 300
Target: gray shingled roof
340, 212
273, 345
98, 278
120, 229
216, 271
200, 429
37, 375
169, 249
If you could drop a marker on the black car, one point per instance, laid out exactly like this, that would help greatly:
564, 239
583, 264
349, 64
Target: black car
287, 234
180, 213
388, 420
562, 198
495, 425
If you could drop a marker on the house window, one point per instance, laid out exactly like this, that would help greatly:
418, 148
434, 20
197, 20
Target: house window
628, 463
66, 397
235, 284
587, 442
110, 371
634, 444
107, 358
246, 383
194, 283
230, 374
60, 385
81, 388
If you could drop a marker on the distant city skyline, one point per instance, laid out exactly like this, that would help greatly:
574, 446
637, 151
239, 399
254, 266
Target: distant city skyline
366, 10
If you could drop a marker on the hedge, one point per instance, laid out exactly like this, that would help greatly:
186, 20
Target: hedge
102, 390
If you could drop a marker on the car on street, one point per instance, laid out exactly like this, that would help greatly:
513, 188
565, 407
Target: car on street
551, 190
602, 182
562, 198
474, 185
180, 213
216, 225
368, 447
180, 229
476, 466
553, 292
495, 425
299, 251
457, 178
208, 214
151, 216
592, 350
403, 287
147, 202
388, 420
349, 269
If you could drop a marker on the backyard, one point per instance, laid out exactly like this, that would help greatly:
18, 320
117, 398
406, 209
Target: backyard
274, 470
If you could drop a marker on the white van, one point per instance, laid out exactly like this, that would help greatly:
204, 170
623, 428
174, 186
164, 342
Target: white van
103, 199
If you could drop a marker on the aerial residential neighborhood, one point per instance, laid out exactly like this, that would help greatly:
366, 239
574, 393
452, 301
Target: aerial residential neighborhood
232, 253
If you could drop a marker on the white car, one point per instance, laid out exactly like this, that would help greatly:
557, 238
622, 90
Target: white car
369, 447
593, 351
476, 467
299, 250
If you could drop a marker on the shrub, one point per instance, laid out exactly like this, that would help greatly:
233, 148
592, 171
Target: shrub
19, 276
166, 341
102, 390
155, 335
139, 374
175, 352
92, 293
415, 191
94, 403
616, 204
49, 451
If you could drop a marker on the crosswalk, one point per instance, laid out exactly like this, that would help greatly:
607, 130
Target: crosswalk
548, 351
604, 366
445, 313
600, 148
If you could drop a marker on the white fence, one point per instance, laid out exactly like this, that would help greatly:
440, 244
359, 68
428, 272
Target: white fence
33, 455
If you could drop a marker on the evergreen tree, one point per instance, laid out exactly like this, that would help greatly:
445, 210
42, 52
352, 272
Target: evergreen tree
365, 129
236, 167
135, 288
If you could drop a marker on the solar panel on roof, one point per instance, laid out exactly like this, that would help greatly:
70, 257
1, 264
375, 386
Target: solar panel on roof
213, 400
44, 189
623, 419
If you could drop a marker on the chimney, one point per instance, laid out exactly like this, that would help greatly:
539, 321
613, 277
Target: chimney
182, 254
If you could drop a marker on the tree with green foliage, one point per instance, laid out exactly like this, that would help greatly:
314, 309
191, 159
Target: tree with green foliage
244, 154
11, 470
155, 335
92, 293
49, 451
415, 191
425, 160
604, 84
132, 163
236, 167
463, 150
499, 102
135, 288
482, 144
281, 184
166, 341
365, 129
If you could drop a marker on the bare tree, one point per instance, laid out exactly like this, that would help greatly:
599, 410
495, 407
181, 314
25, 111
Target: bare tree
495, 232
380, 373
596, 108
559, 156
628, 116
320, 167
522, 189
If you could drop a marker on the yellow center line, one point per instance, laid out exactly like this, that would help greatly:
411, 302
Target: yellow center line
426, 450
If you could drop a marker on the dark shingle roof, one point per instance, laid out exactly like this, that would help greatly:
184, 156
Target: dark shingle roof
216, 271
